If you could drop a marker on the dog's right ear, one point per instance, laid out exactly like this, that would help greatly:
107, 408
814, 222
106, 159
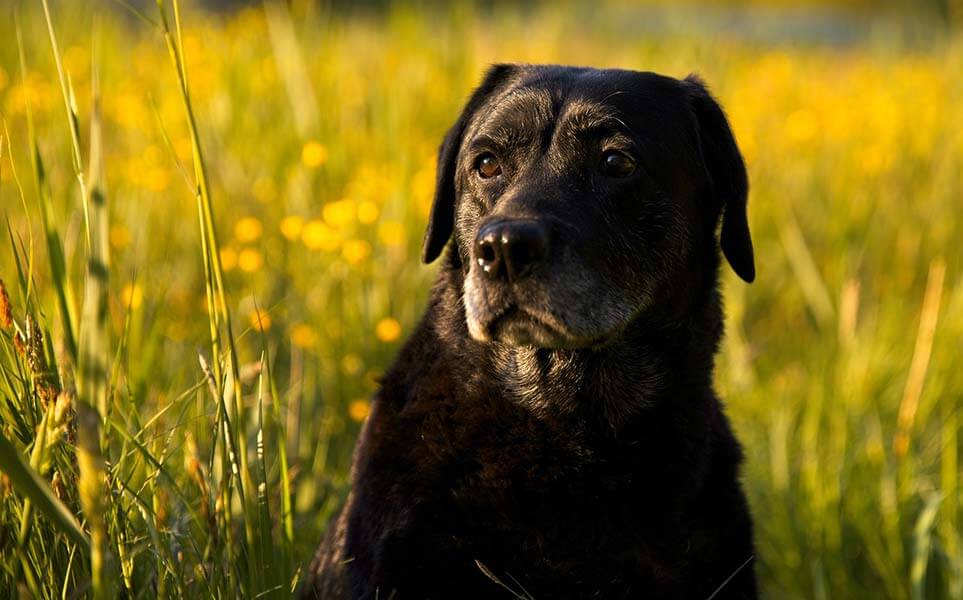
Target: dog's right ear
441, 221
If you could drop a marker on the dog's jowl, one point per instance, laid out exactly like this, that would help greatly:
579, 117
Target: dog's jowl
550, 426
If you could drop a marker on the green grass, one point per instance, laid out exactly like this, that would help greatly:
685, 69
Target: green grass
212, 224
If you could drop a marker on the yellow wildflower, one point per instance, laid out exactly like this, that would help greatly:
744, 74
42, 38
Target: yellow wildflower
132, 295
339, 213
119, 236
260, 320
388, 329
355, 251
250, 260
318, 236
359, 409
303, 335
291, 227
351, 364
367, 212
313, 154
248, 229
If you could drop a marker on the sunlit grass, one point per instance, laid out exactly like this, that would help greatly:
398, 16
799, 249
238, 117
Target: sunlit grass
211, 253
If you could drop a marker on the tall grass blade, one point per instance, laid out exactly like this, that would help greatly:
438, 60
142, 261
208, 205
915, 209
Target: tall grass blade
807, 273
922, 545
269, 574
70, 105
280, 439
94, 360
55, 252
92, 490
929, 314
23, 266
26, 481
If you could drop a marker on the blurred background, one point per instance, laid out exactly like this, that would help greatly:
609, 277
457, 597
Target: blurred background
317, 123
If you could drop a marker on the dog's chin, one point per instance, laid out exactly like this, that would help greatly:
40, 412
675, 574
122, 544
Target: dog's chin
517, 327
523, 330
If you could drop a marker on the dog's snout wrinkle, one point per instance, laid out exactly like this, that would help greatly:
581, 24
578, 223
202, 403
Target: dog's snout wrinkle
510, 250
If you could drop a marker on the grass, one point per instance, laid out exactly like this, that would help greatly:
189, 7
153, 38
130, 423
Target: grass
212, 228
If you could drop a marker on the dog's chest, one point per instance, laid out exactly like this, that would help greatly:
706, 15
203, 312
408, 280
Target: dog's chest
525, 501
492, 478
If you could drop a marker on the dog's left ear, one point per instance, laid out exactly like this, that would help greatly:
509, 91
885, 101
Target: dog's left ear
727, 175
441, 221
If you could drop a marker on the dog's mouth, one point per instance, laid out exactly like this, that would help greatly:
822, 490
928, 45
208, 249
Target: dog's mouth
520, 327
517, 325
515, 318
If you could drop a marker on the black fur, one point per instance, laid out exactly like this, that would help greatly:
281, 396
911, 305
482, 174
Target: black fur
597, 465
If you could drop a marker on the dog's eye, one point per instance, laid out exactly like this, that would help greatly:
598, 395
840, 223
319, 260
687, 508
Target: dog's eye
487, 166
617, 164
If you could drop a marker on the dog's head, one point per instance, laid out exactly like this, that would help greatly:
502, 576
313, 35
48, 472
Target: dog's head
578, 197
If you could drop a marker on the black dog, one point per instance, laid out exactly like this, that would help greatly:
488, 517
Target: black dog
551, 427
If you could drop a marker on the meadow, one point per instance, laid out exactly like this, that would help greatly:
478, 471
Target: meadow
211, 231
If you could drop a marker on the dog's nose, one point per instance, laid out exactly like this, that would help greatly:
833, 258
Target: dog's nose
510, 249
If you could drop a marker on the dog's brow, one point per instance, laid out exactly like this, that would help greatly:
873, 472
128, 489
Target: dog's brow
609, 127
512, 117
585, 117
582, 118
499, 138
